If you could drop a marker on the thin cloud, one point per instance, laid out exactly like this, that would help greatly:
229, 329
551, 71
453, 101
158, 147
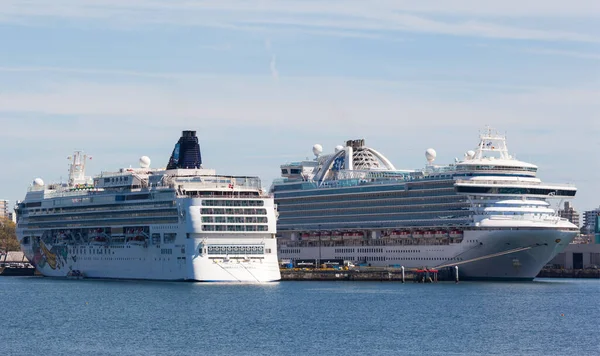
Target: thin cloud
465, 17
572, 54
274, 72
273, 63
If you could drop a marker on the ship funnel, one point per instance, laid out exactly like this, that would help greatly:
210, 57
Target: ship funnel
186, 154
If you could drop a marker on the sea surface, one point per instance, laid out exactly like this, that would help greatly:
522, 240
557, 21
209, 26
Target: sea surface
43, 316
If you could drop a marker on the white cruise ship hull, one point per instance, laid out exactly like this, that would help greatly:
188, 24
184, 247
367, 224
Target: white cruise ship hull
539, 247
180, 252
498, 254
156, 262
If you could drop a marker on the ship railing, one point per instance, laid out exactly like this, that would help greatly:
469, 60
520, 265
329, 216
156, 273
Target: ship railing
219, 182
376, 175
528, 217
514, 182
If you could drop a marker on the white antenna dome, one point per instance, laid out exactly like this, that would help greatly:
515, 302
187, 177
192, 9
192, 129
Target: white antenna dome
430, 154
317, 150
470, 154
338, 148
145, 162
38, 182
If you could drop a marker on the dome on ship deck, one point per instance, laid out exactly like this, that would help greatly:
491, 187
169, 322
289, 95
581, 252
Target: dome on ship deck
363, 159
366, 158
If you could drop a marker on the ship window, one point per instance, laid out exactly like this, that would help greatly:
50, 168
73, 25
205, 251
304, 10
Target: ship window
284, 171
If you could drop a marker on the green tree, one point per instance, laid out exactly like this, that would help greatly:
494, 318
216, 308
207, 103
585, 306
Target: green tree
8, 236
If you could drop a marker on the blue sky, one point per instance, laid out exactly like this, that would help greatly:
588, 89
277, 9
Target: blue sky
262, 81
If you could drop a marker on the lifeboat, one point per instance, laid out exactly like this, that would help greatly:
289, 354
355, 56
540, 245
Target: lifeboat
99, 240
456, 233
314, 236
304, 236
405, 234
336, 236
137, 240
348, 235
396, 234
417, 234
358, 235
441, 234
325, 235
428, 234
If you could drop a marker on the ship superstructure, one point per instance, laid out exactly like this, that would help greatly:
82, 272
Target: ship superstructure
184, 222
488, 213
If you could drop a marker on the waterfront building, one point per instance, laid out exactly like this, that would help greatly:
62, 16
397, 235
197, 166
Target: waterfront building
578, 256
589, 221
4, 211
569, 213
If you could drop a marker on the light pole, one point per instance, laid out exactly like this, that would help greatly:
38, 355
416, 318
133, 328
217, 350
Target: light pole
320, 242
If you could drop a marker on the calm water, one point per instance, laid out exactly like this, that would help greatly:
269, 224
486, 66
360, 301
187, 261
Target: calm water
55, 317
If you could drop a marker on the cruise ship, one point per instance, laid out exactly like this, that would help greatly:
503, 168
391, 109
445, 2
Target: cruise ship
487, 214
182, 223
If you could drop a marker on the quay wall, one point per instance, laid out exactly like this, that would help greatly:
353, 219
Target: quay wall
395, 274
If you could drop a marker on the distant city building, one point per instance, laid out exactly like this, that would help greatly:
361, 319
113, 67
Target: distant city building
4, 211
589, 221
569, 213
578, 256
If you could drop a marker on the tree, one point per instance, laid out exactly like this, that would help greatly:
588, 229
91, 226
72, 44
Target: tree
8, 236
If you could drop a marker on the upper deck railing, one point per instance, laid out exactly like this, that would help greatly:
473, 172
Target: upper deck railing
212, 182
513, 183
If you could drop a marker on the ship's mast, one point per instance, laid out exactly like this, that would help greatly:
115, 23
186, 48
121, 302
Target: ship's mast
490, 141
77, 169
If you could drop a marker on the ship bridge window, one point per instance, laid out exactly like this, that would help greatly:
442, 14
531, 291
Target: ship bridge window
495, 168
284, 171
295, 171
509, 190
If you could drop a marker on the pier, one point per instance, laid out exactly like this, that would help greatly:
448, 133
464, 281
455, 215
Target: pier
394, 274
368, 274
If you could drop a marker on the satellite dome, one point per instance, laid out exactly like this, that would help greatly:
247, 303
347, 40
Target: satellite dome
38, 182
317, 149
145, 161
430, 154
470, 154
338, 148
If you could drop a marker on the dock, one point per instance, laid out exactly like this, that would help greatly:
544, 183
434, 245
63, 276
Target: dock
395, 274
569, 273
367, 274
